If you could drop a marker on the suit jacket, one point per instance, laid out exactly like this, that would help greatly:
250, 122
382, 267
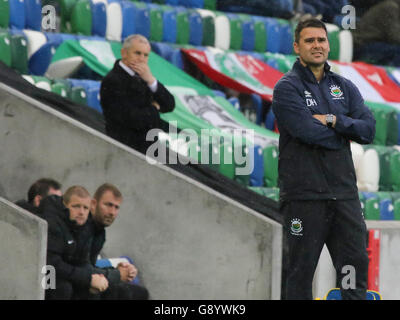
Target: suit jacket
127, 107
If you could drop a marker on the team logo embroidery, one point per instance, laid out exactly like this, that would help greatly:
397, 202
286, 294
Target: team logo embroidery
296, 227
336, 92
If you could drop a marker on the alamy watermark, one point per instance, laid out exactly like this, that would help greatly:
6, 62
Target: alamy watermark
349, 280
49, 277
49, 18
211, 147
349, 18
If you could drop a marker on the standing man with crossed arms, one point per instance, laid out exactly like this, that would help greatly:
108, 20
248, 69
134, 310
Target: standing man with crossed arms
318, 112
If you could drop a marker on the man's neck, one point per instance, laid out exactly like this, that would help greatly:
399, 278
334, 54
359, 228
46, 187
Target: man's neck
126, 68
317, 70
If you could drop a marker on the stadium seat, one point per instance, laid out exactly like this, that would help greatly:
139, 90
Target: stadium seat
260, 33
5, 48
274, 63
169, 24
64, 68
66, 8
156, 22
61, 88
208, 20
19, 53
370, 204
4, 13
78, 95
248, 41
286, 35
172, 2
99, 18
114, 22
369, 173
396, 209
164, 50
270, 155
357, 152
40, 60
222, 32
270, 120
210, 5
243, 163
81, 18
142, 20
36, 40
195, 28
273, 35
42, 82
257, 175
28, 78
17, 14
182, 26
334, 42
93, 98
33, 9
128, 10
346, 46
386, 209
235, 102
235, 24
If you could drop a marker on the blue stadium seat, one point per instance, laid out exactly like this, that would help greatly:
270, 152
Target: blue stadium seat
129, 21
235, 102
142, 21
286, 38
177, 58
17, 14
273, 35
172, 2
99, 18
219, 93
164, 50
273, 63
270, 120
54, 38
196, 28
40, 60
33, 9
93, 97
169, 26
257, 175
386, 209
257, 102
248, 35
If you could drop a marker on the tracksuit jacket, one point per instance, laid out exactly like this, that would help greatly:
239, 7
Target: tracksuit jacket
315, 161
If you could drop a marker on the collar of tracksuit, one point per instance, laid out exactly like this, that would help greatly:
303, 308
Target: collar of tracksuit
305, 72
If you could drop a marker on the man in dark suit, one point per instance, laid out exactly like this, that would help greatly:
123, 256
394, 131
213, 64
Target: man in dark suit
132, 98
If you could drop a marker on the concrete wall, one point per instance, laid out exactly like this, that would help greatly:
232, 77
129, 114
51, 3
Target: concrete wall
23, 239
188, 241
389, 263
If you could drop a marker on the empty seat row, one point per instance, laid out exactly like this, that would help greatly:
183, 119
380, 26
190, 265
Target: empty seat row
21, 14
380, 205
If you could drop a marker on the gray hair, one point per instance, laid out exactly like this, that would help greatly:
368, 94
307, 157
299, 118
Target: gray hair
129, 40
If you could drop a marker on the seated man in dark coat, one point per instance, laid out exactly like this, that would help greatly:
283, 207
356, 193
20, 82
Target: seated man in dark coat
131, 98
69, 244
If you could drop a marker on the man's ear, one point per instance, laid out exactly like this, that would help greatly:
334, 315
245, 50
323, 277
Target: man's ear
93, 204
36, 200
296, 47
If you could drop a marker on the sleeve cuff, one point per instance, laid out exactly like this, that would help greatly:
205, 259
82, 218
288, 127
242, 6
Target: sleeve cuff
153, 87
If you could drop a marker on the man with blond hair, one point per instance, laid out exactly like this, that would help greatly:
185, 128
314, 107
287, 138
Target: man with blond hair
68, 246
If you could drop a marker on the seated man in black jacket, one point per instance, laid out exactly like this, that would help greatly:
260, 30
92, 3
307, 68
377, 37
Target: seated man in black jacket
104, 210
69, 244
132, 98
37, 192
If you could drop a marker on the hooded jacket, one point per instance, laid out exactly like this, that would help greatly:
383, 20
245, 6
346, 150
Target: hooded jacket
68, 244
315, 161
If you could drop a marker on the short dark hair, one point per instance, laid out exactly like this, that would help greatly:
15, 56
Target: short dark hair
41, 187
107, 187
308, 23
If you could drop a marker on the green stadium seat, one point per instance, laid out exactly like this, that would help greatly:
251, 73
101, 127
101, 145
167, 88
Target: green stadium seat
4, 13
61, 87
19, 53
78, 95
370, 206
270, 155
334, 42
208, 18
42, 82
81, 18
210, 5
236, 32
66, 8
182, 27
5, 48
396, 205
156, 23
260, 35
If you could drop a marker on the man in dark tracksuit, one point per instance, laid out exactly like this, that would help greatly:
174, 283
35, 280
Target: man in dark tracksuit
318, 113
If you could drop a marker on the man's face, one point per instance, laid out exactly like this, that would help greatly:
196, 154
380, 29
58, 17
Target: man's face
105, 211
313, 47
137, 53
78, 209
